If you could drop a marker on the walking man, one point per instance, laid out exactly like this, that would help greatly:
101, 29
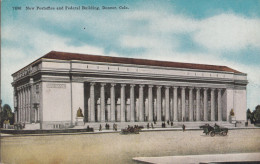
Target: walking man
183, 127
100, 127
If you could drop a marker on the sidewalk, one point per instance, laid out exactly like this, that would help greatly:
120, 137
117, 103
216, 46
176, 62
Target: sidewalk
119, 130
238, 157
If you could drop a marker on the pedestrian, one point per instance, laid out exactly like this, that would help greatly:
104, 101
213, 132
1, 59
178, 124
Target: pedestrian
168, 122
115, 127
152, 125
171, 123
148, 126
100, 127
183, 127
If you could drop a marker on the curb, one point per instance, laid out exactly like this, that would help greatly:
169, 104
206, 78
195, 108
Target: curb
2, 135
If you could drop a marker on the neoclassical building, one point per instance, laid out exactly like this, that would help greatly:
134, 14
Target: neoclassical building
49, 91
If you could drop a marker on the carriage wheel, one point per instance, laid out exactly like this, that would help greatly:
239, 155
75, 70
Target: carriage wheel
212, 134
224, 133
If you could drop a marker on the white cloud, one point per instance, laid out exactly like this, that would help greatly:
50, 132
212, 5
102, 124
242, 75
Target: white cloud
228, 32
221, 32
151, 42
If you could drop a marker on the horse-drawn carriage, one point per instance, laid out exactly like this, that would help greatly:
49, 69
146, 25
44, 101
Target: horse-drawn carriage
19, 126
131, 130
212, 131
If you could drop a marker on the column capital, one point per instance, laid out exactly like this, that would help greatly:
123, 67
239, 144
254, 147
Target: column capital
191, 88
220, 89
166, 86
132, 85
150, 86
205, 89
159, 86
175, 87
213, 89
92, 83
197, 88
102, 84
112, 84
141, 85
183, 88
123, 85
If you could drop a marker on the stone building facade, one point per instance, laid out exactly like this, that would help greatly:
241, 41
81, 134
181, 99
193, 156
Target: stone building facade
49, 91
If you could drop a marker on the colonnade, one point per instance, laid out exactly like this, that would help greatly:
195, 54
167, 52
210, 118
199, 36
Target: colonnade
26, 111
147, 102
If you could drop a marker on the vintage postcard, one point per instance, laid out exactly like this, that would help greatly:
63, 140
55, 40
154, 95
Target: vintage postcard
130, 81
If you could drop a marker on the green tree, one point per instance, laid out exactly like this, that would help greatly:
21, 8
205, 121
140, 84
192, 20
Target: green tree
256, 114
6, 114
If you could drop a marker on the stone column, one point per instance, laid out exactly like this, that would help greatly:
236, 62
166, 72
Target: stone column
205, 106
212, 104
219, 105
191, 104
197, 104
112, 102
122, 109
22, 103
102, 101
159, 103
141, 103
175, 104
19, 105
15, 116
31, 100
167, 103
92, 102
36, 113
150, 101
29, 104
132, 103
183, 116
25, 105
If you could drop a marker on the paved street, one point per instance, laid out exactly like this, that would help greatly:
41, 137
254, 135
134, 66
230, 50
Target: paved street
116, 148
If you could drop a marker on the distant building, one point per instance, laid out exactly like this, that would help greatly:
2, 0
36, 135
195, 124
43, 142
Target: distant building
49, 91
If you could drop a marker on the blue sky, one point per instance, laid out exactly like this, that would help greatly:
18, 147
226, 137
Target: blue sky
219, 32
